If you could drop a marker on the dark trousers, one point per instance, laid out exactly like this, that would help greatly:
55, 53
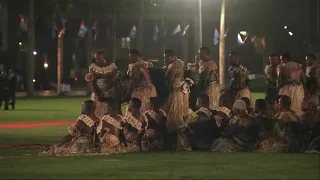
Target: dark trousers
12, 98
4, 98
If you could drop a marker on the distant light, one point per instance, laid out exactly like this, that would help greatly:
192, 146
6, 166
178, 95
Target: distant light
20, 43
285, 27
33, 80
243, 33
155, 4
46, 65
290, 33
35, 53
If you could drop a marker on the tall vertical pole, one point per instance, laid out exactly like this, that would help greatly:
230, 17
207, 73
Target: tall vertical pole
90, 37
31, 48
162, 33
222, 65
184, 39
114, 37
59, 62
141, 27
200, 22
318, 27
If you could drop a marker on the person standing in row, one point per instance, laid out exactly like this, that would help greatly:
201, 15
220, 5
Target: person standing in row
12, 83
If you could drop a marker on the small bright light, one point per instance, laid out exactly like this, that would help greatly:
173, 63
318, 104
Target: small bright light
290, 33
244, 33
286, 27
155, 4
45, 65
20, 43
35, 53
33, 80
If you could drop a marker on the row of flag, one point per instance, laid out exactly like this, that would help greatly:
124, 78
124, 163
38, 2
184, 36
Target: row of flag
83, 30
23, 27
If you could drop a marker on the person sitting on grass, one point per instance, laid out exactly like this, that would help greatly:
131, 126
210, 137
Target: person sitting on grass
202, 132
236, 137
134, 126
110, 130
82, 138
156, 131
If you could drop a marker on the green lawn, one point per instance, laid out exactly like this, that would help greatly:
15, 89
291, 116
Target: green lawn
23, 163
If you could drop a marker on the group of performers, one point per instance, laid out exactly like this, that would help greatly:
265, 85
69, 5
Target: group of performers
182, 107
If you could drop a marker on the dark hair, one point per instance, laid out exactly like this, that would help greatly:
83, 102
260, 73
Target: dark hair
261, 104
246, 100
278, 97
286, 56
286, 101
312, 56
205, 50
110, 101
273, 54
136, 103
126, 77
87, 107
155, 102
204, 99
135, 52
170, 52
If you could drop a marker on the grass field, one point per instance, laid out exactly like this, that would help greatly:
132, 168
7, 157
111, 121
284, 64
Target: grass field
22, 162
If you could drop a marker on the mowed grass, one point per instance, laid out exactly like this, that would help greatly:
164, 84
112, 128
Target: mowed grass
24, 163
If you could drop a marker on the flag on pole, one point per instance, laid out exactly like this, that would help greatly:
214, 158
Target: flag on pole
95, 30
133, 32
82, 30
165, 31
155, 33
23, 24
226, 33
63, 29
185, 30
176, 30
241, 40
54, 30
216, 37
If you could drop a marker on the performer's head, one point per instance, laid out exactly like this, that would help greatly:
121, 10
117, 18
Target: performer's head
285, 57
100, 59
169, 57
134, 56
111, 107
153, 103
310, 59
203, 53
260, 106
274, 59
134, 105
88, 107
284, 102
203, 101
234, 59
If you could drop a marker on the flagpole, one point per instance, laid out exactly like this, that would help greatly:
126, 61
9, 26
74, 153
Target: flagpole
31, 48
200, 22
222, 65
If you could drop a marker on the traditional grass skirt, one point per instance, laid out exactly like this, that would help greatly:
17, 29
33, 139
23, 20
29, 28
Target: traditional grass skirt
244, 93
213, 91
271, 144
76, 146
296, 93
225, 145
177, 109
110, 144
151, 140
144, 93
101, 107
